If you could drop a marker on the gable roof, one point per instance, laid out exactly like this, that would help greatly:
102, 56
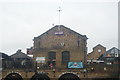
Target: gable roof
107, 53
4, 56
84, 36
99, 45
114, 48
20, 54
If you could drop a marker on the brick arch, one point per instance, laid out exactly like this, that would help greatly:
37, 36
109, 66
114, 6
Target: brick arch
68, 76
39, 76
65, 51
13, 76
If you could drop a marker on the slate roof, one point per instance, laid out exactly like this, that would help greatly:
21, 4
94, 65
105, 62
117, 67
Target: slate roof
114, 48
20, 54
3, 55
84, 36
99, 45
109, 52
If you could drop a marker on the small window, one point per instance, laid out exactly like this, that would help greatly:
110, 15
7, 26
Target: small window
38, 44
78, 43
52, 55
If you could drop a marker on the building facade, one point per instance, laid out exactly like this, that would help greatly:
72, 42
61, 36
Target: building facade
20, 60
5, 61
58, 46
112, 55
96, 53
53, 54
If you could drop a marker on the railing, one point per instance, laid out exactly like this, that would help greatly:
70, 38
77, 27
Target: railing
33, 67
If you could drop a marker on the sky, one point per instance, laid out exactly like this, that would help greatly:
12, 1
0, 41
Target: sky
22, 20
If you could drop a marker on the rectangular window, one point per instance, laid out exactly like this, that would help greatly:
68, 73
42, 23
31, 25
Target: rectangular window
38, 44
65, 57
52, 55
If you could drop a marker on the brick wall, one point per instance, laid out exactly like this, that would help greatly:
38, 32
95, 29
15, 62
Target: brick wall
95, 54
59, 40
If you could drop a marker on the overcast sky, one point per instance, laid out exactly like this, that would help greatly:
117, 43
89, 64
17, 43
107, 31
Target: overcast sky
22, 20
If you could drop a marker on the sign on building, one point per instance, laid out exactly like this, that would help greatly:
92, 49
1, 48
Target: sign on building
40, 59
59, 33
75, 65
30, 51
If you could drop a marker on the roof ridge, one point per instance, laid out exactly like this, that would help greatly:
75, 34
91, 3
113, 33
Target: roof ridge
99, 45
64, 27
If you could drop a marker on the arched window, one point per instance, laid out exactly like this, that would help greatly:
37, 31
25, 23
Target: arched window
65, 57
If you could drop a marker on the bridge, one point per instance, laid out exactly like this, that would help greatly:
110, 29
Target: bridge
91, 72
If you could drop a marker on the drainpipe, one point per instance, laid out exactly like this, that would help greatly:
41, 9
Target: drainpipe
85, 68
35, 67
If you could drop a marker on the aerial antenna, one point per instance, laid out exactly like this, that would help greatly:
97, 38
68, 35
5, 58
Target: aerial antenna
59, 10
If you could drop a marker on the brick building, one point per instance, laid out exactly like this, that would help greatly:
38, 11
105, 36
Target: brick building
97, 52
58, 46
